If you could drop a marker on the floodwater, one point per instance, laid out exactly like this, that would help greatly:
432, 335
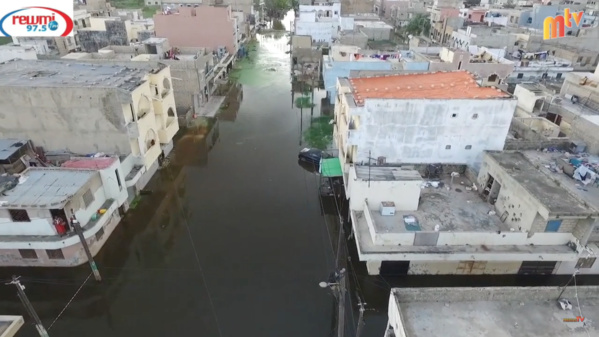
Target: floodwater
230, 242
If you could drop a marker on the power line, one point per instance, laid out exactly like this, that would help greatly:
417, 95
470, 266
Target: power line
71, 300
197, 258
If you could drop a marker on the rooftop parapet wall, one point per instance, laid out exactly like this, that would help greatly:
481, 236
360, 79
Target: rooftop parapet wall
524, 294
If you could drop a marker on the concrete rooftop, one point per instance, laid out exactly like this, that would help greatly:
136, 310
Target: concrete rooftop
37, 73
372, 24
539, 185
546, 163
454, 209
9, 146
507, 316
45, 187
10, 325
381, 173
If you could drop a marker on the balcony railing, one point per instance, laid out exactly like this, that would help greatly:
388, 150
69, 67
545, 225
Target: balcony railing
166, 135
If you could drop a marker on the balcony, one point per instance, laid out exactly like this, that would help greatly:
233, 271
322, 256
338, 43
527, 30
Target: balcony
352, 137
166, 135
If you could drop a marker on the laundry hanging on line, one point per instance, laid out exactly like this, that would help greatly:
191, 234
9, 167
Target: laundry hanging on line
378, 56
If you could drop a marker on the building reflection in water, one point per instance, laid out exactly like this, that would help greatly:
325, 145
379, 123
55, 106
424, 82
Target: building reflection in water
193, 147
230, 107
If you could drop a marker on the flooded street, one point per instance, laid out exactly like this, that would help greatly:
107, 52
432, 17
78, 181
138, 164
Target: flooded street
229, 239
228, 243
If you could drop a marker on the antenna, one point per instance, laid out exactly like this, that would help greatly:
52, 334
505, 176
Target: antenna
369, 157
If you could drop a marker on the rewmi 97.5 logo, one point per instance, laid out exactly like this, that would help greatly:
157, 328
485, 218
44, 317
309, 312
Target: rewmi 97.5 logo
38, 19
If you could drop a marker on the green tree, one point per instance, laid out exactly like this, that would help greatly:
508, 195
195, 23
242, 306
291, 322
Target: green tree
276, 9
419, 25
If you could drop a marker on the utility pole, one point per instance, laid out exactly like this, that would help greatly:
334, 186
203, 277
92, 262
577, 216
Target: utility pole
90, 258
341, 302
361, 317
567, 284
23, 297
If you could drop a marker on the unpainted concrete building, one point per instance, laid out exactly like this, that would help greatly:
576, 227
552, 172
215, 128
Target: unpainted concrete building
406, 224
87, 108
195, 69
375, 30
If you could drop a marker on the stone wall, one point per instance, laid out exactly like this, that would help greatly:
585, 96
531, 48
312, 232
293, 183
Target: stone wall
521, 294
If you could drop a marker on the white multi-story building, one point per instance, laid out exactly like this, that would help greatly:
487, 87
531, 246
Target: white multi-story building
321, 22
37, 208
420, 119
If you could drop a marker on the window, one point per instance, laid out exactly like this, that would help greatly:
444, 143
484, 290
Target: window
586, 262
447, 147
544, 75
100, 234
579, 59
19, 215
553, 226
520, 75
88, 198
559, 75
28, 253
475, 116
55, 254
118, 179
468, 147
454, 115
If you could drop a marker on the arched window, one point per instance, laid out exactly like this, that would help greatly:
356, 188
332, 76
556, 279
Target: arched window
171, 112
166, 84
143, 106
150, 139
493, 78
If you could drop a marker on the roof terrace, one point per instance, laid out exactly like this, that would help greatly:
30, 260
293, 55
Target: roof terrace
45, 187
511, 311
31, 74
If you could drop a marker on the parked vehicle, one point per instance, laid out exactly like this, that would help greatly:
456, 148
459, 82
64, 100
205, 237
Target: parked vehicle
312, 156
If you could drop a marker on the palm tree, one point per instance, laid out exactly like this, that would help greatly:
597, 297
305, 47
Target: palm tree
419, 25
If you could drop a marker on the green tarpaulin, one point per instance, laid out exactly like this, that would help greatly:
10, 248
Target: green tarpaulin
331, 167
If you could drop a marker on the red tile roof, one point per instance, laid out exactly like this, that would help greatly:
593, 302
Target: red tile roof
440, 85
91, 163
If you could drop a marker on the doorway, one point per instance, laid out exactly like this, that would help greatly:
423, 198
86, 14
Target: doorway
491, 190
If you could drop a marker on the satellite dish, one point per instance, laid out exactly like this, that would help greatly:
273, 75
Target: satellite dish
323, 284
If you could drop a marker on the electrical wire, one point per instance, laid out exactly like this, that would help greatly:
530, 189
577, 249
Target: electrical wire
197, 258
578, 304
69, 302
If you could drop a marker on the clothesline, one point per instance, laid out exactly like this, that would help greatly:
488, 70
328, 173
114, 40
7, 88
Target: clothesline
383, 57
